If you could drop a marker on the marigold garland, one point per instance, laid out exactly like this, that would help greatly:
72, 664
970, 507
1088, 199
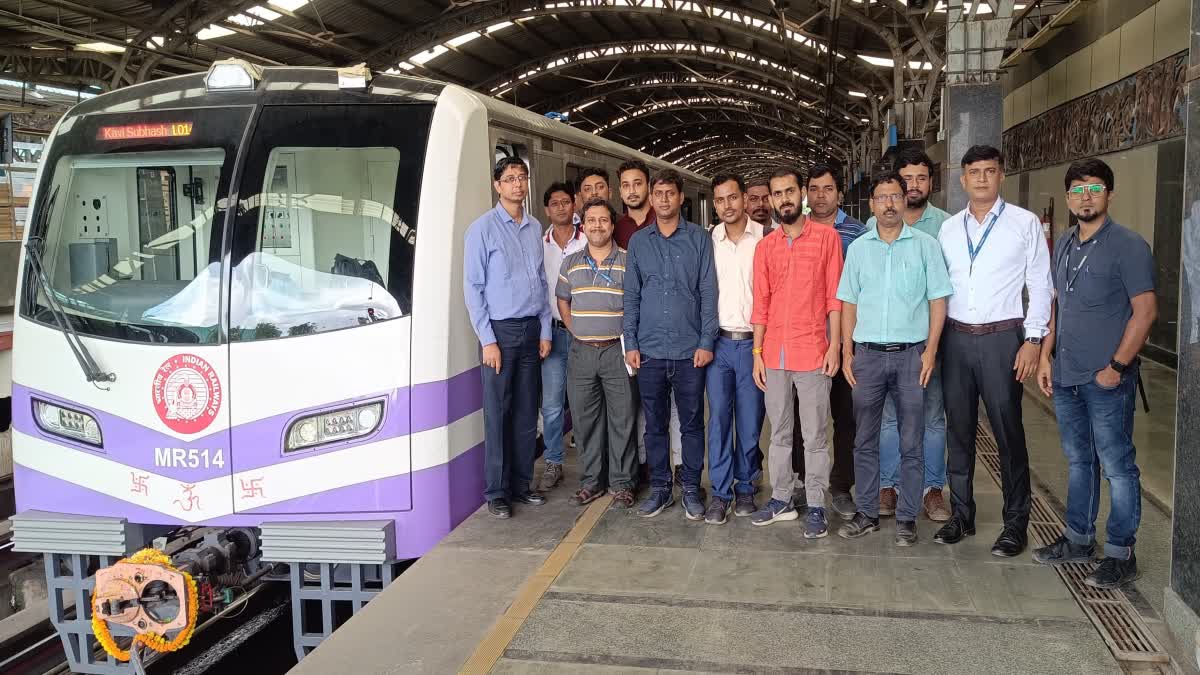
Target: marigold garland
152, 640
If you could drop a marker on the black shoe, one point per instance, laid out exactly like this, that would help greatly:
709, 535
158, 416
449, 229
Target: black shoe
1113, 573
953, 532
499, 508
861, 524
906, 532
1010, 543
1062, 551
530, 497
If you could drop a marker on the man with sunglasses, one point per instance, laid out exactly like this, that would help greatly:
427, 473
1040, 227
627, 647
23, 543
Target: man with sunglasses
508, 300
1105, 305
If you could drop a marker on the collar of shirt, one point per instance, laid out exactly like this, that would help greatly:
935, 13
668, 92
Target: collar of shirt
681, 227
993, 212
1101, 233
840, 217
502, 213
576, 236
754, 231
873, 233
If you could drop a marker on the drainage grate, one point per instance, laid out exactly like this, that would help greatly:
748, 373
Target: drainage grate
1110, 611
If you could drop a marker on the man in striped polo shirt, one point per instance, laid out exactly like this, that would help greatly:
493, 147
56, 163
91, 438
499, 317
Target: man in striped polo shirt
590, 296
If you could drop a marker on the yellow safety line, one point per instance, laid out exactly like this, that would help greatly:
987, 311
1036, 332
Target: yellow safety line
489, 651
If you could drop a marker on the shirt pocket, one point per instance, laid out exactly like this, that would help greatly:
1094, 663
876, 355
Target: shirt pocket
500, 261
1098, 285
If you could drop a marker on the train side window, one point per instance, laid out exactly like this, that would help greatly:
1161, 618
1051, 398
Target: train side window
323, 240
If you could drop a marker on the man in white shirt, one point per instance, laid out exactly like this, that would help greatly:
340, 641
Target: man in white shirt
735, 403
561, 240
993, 251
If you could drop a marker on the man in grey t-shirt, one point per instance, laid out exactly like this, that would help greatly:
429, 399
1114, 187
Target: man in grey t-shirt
590, 296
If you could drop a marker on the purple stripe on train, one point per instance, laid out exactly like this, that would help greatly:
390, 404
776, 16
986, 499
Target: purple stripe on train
260, 443
443, 496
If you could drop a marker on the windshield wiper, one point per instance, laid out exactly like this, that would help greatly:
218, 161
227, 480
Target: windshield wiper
91, 370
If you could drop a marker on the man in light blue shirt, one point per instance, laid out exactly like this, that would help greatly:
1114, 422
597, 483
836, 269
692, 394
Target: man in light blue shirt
916, 169
504, 284
893, 290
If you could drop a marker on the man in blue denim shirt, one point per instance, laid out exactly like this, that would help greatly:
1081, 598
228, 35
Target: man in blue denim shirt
670, 328
1104, 307
504, 285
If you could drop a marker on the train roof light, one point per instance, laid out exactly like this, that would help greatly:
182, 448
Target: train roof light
354, 77
232, 75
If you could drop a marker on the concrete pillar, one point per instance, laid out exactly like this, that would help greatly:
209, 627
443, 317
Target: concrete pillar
972, 116
972, 102
1182, 602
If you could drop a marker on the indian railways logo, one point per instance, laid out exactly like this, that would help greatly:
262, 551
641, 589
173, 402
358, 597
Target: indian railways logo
187, 393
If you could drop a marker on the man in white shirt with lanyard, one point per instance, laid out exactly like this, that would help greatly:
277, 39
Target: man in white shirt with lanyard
993, 250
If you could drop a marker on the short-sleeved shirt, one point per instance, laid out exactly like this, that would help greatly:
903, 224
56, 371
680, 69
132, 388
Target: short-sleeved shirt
892, 285
848, 228
1094, 282
930, 221
596, 291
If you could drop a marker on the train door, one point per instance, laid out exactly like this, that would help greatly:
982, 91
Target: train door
320, 310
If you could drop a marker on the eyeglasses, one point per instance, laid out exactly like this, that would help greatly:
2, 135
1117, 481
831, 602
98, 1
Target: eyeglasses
512, 180
1077, 191
884, 199
561, 204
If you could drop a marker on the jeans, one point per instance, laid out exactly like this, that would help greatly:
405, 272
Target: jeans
735, 419
510, 402
882, 376
935, 438
554, 395
658, 379
1096, 425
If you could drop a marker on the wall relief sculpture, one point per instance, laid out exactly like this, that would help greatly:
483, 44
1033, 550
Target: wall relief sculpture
1144, 107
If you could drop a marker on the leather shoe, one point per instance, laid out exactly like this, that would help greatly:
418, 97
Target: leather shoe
1010, 543
530, 497
953, 532
499, 508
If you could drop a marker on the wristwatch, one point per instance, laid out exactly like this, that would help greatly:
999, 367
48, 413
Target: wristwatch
1118, 366
1034, 340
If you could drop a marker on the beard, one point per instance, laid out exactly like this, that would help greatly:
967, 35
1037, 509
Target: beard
917, 203
633, 202
789, 219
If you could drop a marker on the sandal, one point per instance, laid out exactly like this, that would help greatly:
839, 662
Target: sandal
623, 499
586, 496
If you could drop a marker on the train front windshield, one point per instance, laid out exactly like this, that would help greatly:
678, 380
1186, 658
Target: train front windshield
130, 222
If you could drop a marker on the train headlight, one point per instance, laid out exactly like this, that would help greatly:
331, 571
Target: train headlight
68, 423
232, 75
338, 425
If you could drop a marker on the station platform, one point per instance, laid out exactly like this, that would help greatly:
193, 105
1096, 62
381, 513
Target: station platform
561, 589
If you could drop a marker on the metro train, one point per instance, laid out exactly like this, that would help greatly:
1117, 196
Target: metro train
240, 304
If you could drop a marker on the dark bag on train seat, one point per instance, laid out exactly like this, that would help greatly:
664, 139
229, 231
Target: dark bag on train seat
354, 267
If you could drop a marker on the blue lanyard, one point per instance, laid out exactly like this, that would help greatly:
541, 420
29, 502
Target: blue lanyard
973, 251
596, 271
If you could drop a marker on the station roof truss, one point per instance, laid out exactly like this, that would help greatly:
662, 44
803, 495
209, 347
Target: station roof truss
746, 74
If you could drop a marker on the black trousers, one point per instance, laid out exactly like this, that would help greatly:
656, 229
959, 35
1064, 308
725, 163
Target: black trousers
841, 408
510, 408
975, 367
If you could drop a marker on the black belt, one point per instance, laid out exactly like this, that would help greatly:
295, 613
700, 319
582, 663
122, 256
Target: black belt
985, 328
560, 324
737, 334
598, 344
889, 346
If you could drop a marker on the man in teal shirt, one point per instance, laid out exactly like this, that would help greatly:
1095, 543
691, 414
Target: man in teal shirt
916, 169
895, 279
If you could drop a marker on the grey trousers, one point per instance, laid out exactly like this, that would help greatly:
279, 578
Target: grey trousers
603, 412
878, 374
811, 389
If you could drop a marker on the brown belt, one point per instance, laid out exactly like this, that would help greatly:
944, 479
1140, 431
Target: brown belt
985, 328
599, 344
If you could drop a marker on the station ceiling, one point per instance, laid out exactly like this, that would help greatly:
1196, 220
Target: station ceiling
744, 82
